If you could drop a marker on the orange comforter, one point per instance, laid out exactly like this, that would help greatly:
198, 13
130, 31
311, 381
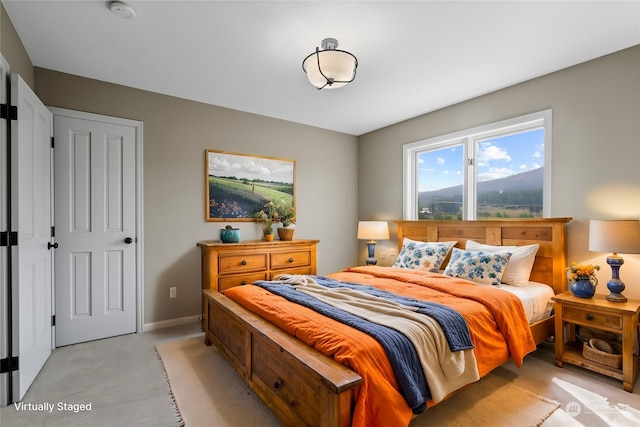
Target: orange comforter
496, 320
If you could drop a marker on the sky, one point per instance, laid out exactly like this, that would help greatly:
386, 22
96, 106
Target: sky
496, 158
251, 167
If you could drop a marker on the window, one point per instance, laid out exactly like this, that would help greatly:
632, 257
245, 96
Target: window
499, 170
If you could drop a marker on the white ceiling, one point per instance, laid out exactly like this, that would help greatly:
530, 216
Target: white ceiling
414, 56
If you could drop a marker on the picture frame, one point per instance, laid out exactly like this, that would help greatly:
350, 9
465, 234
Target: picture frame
237, 185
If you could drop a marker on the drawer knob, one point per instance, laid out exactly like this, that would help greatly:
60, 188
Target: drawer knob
244, 282
291, 259
243, 262
276, 384
588, 316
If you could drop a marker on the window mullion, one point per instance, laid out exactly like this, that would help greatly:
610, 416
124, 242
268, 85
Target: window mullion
470, 179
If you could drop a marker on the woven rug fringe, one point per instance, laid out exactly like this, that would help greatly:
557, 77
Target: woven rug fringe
175, 410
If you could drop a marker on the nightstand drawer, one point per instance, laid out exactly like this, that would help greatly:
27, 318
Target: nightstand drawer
290, 259
236, 263
229, 282
592, 318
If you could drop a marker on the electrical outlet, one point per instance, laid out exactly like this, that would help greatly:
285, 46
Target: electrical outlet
393, 252
383, 254
172, 292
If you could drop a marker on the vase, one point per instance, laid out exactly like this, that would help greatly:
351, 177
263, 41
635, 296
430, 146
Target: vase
285, 233
584, 288
230, 235
268, 237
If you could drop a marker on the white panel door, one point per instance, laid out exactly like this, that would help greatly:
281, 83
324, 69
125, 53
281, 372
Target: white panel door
4, 226
95, 228
31, 217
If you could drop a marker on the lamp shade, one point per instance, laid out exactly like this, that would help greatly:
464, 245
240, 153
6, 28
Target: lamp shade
330, 68
373, 230
617, 236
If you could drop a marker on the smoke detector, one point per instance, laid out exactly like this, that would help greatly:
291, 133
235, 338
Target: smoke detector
122, 10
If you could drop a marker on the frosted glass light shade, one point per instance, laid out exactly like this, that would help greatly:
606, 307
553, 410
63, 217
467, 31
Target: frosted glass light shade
616, 236
373, 230
337, 65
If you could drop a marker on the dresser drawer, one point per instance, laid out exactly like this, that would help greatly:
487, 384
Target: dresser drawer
592, 318
290, 259
237, 263
245, 279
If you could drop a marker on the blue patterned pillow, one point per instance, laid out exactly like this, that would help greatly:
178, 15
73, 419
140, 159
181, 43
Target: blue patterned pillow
479, 267
423, 255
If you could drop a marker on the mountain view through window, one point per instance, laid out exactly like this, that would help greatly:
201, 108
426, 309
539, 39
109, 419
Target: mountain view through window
506, 171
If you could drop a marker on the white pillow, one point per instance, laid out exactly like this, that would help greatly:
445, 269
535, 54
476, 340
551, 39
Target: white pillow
423, 255
480, 267
520, 264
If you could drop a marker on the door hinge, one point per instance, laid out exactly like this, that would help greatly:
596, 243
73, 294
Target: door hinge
8, 238
52, 142
8, 112
470, 162
53, 320
9, 364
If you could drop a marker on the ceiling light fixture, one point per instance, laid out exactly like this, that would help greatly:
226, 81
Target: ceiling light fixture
330, 68
122, 10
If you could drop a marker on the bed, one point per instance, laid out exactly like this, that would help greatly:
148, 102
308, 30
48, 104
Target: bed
306, 385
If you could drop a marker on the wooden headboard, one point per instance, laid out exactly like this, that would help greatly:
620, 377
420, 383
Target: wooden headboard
550, 263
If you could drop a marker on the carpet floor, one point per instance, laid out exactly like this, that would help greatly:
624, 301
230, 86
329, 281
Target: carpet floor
208, 392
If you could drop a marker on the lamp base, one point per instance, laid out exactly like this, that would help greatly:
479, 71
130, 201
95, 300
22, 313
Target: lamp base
616, 298
615, 285
371, 247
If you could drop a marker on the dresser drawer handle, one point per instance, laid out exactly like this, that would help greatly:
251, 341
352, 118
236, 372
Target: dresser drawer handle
243, 262
244, 282
291, 259
588, 316
276, 384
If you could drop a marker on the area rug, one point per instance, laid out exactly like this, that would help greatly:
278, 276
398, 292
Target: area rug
208, 392
206, 389
490, 402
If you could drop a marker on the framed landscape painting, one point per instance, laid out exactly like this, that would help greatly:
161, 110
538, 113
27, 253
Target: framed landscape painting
238, 185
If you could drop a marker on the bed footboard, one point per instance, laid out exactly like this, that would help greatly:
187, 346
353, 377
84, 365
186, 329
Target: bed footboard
298, 383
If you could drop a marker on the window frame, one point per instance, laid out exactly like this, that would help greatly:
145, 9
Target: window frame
468, 137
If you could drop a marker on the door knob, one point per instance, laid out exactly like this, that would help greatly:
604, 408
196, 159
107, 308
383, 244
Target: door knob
54, 246
128, 240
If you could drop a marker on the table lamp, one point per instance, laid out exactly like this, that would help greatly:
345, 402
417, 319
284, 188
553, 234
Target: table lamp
373, 230
616, 236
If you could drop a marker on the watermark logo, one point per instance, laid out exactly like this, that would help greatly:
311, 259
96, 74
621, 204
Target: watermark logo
573, 409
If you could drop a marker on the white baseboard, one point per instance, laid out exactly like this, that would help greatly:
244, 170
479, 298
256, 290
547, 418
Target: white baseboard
168, 323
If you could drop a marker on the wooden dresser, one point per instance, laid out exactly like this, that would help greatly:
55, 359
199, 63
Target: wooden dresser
225, 265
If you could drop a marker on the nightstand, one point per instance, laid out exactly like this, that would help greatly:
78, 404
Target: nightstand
597, 313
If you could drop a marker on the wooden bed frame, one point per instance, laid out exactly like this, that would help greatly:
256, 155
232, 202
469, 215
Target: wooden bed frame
304, 387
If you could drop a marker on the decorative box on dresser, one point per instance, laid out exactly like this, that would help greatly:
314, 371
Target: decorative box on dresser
598, 313
225, 265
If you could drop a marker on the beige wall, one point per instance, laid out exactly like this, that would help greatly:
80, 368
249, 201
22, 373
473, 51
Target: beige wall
595, 157
340, 178
13, 50
176, 134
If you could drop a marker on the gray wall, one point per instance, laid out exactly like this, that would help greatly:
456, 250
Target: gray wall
595, 157
596, 148
176, 134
